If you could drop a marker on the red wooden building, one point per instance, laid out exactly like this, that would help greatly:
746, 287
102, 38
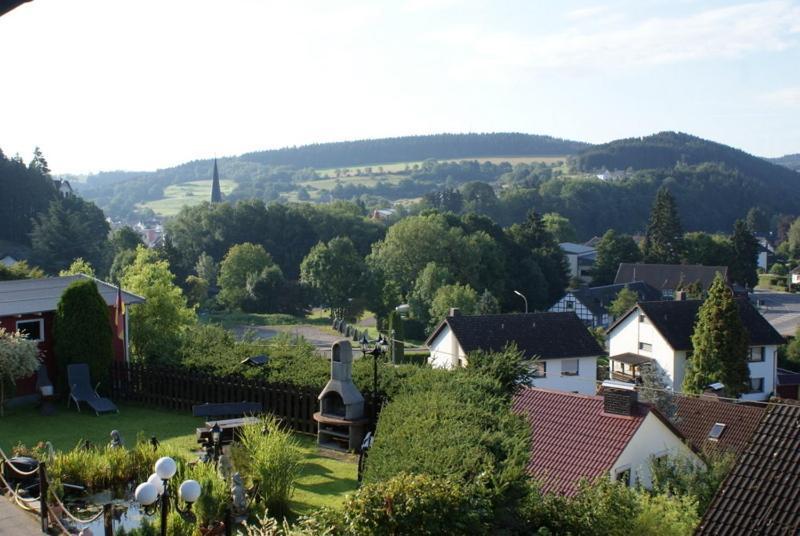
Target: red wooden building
29, 305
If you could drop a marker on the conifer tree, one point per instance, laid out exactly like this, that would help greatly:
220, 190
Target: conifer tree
720, 344
663, 241
744, 267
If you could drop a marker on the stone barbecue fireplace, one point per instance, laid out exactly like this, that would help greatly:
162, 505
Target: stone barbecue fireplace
341, 418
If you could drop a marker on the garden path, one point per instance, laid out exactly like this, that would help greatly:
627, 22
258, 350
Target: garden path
15, 522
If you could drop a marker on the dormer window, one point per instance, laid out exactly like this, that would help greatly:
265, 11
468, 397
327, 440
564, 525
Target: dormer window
716, 431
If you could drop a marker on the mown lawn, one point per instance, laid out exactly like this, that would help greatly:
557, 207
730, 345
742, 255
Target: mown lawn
176, 196
324, 481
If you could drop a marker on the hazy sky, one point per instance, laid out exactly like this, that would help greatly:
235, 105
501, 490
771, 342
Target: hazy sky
143, 84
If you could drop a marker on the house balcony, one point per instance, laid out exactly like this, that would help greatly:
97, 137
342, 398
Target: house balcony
627, 378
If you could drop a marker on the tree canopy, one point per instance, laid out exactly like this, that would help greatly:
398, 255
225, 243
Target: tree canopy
663, 241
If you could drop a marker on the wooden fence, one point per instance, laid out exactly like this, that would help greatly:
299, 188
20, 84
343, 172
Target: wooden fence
178, 389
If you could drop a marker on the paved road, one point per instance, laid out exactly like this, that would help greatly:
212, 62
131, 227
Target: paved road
781, 309
15, 522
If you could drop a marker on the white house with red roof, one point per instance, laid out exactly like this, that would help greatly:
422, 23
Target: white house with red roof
577, 437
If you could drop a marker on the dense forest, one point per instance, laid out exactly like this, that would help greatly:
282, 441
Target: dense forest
411, 148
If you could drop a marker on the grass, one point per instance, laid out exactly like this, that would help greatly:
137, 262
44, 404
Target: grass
177, 196
236, 319
324, 478
394, 167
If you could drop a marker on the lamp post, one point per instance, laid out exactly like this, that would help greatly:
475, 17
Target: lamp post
216, 437
158, 485
378, 350
521, 295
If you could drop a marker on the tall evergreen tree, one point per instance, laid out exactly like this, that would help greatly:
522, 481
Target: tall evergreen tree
744, 266
720, 344
663, 241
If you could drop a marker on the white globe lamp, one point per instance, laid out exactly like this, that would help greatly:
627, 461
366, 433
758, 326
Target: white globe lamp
156, 481
166, 468
146, 494
189, 491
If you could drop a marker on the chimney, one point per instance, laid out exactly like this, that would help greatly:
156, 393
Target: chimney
620, 398
680, 295
454, 312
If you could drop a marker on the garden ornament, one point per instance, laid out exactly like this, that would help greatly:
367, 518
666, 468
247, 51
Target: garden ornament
238, 496
225, 467
116, 440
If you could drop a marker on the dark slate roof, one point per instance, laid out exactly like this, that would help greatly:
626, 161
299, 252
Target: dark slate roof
788, 377
23, 296
696, 416
571, 437
544, 335
669, 276
675, 321
597, 299
761, 494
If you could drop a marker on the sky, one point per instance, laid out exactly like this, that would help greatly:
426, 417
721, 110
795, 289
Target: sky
146, 84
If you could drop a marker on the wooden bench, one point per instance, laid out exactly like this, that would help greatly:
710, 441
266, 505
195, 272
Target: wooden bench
229, 427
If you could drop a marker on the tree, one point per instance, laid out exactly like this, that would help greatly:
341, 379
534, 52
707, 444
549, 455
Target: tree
20, 270
626, 298
612, 250
78, 266
19, 358
238, 272
125, 238
70, 228
708, 249
338, 273
720, 344
663, 241
157, 324
487, 304
793, 238
560, 227
207, 269
83, 332
757, 220
656, 390
462, 297
39, 163
537, 243
431, 279
743, 268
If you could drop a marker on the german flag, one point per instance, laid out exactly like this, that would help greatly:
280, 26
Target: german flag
119, 316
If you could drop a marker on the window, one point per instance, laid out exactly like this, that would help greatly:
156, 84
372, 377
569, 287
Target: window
570, 304
540, 370
33, 329
641, 318
757, 353
646, 346
668, 293
756, 385
716, 431
623, 475
569, 367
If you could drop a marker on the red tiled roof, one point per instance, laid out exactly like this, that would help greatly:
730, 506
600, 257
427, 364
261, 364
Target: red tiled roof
696, 416
572, 438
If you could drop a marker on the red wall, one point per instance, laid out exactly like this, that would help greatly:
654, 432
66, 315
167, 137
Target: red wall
27, 386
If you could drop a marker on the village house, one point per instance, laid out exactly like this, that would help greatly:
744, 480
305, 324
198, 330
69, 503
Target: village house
29, 305
561, 348
577, 437
760, 493
591, 303
710, 424
661, 332
669, 278
580, 260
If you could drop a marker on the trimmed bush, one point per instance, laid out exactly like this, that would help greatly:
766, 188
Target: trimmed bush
83, 332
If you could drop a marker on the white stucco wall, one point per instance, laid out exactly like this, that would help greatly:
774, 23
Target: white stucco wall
629, 333
653, 438
584, 383
445, 350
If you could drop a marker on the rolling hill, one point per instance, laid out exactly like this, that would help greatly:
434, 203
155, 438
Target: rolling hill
791, 161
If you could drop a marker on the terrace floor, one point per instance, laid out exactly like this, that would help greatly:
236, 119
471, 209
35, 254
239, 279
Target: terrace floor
325, 479
15, 522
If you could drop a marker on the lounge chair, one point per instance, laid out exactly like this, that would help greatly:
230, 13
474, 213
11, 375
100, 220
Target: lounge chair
45, 389
80, 390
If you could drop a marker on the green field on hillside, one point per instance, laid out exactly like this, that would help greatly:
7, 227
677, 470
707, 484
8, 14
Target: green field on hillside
186, 193
394, 167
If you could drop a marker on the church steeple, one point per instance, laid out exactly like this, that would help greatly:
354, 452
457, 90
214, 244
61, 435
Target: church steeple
216, 192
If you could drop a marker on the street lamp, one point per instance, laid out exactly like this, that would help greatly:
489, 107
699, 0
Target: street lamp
147, 493
521, 295
380, 347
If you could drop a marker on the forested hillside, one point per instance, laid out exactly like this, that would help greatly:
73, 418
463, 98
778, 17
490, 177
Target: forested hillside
410, 148
791, 161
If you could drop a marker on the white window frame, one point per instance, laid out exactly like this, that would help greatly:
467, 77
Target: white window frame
760, 358
569, 304
41, 327
618, 472
540, 366
760, 390
569, 372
